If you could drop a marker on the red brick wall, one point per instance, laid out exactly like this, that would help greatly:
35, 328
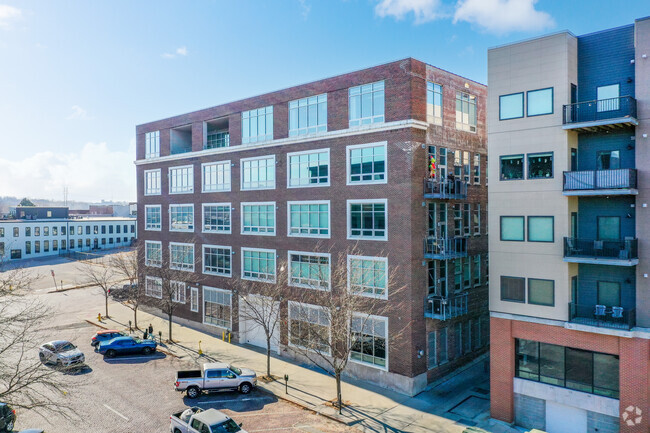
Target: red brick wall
502, 370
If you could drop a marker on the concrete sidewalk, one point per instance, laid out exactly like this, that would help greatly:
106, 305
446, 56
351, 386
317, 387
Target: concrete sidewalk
451, 406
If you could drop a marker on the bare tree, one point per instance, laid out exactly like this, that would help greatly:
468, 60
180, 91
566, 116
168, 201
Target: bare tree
127, 265
99, 274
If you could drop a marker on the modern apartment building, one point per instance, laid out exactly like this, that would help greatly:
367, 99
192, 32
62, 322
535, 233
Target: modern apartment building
568, 124
391, 159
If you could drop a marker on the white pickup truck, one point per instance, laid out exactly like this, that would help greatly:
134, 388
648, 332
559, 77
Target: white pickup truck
215, 376
196, 420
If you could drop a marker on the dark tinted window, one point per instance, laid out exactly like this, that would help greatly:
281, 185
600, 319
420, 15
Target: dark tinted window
579, 369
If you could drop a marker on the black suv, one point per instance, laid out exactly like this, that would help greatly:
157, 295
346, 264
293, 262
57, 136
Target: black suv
7, 418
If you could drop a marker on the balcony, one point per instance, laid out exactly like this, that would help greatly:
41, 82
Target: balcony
444, 248
445, 308
445, 189
601, 252
601, 115
620, 181
602, 316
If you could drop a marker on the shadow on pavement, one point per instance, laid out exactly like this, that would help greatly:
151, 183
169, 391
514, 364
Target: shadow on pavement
232, 400
134, 358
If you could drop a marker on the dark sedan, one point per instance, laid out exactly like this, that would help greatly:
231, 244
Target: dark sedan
127, 346
7, 418
106, 335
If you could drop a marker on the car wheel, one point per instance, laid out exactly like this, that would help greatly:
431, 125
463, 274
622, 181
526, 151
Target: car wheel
111, 353
10, 426
177, 431
245, 388
147, 350
42, 358
193, 392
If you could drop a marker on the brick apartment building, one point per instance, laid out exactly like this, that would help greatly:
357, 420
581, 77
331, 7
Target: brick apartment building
230, 190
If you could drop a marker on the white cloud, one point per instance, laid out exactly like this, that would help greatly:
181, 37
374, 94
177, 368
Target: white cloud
503, 16
94, 173
77, 113
305, 8
181, 51
422, 10
8, 14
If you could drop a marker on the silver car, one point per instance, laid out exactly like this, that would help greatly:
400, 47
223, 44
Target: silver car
61, 353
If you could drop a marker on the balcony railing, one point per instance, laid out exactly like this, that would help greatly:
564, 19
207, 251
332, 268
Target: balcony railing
602, 113
614, 252
445, 248
602, 316
446, 189
445, 308
594, 182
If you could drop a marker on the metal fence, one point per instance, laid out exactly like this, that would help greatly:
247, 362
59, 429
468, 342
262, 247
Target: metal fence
620, 178
598, 110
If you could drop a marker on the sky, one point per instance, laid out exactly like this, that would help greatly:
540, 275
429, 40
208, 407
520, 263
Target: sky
76, 76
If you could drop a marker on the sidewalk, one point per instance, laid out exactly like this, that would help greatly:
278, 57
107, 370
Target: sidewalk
370, 408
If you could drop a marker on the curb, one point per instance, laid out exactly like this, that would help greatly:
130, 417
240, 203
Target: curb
83, 286
165, 351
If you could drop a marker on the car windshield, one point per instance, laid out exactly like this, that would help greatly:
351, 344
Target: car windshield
65, 347
236, 370
137, 340
229, 426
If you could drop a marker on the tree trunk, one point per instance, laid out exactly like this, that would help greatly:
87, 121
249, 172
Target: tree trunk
338, 391
170, 327
268, 357
106, 303
135, 317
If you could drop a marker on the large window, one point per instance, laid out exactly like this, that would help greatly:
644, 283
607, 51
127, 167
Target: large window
258, 218
181, 256
513, 289
541, 292
367, 219
477, 169
582, 370
216, 260
511, 106
608, 97
153, 253
181, 217
512, 228
310, 168
216, 217
540, 229
608, 293
465, 112
152, 144
608, 159
434, 103
366, 163
512, 167
539, 102
181, 179
308, 115
215, 176
310, 270
152, 182
309, 219
257, 125
540, 165
217, 307
258, 264
369, 340
178, 291
368, 276
153, 287
309, 327
366, 104
258, 173
152, 217
608, 228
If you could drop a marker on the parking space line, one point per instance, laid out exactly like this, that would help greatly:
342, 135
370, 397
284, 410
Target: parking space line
269, 414
115, 412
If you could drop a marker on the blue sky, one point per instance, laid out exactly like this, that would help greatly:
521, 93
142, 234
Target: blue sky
77, 76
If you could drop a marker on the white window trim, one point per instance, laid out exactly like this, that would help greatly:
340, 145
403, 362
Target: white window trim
308, 253
153, 279
203, 301
194, 291
275, 275
257, 203
145, 182
228, 163
241, 172
169, 181
307, 152
361, 146
376, 259
175, 297
329, 219
383, 319
203, 230
349, 219
170, 256
290, 303
170, 218
146, 260
204, 246
151, 206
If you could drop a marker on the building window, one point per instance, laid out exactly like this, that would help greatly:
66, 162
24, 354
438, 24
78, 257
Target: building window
28, 247
511, 106
103, 241
434, 103
443, 356
539, 102
217, 217
152, 144
80, 230
152, 182
541, 292
37, 231
308, 115
257, 125
368, 276
153, 253
215, 177
608, 98
46, 246
540, 165
2, 232
367, 219
258, 264
258, 218
217, 307
513, 289
465, 112
512, 228
540, 229
37, 247
366, 104
118, 229
466, 166
181, 217
512, 167
79, 243
258, 173
216, 260
28, 231
181, 179
309, 270
608, 159
17, 232
476, 217
477, 169
309, 327
477, 270
181, 256
153, 287
369, 340
309, 219
110, 230
366, 163
217, 139
103, 230
46, 231
194, 299
310, 168
467, 211
178, 291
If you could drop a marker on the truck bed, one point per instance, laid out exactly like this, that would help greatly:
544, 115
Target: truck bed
188, 374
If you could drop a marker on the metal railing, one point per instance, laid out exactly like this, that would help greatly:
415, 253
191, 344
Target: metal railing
620, 178
626, 249
597, 110
444, 308
445, 247
445, 188
602, 316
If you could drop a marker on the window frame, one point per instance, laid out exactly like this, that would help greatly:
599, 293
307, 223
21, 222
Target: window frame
538, 154
265, 250
241, 172
373, 259
349, 219
523, 166
467, 127
432, 118
523, 107
148, 144
528, 92
188, 230
310, 306
386, 338
320, 127
204, 263
258, 233
146, 183
315, 254
194, 294
184, 244
149, 228
528, 280
227, 164
147, 261
523, 219
540, 216
348, 167
524, 292
181, 288
190, 189
268, 132
203, 300
309, 202
204, 230
308, 152
373, 118
148, 293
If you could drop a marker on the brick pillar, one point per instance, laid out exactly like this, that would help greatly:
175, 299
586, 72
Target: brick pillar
634, 384
502, 370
